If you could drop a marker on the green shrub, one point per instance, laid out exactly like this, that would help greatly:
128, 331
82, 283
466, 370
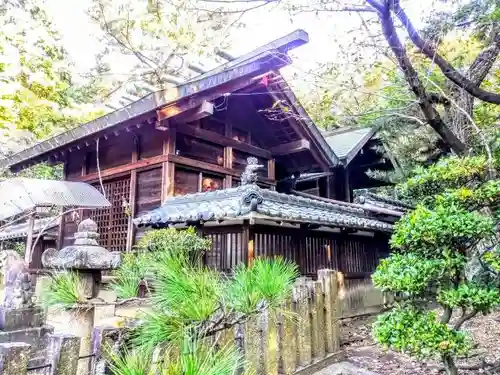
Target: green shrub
419, 333
151, 249
443, 254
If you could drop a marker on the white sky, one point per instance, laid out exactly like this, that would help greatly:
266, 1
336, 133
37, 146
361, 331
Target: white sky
262, 26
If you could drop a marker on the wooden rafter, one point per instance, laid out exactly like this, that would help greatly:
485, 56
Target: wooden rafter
291, 147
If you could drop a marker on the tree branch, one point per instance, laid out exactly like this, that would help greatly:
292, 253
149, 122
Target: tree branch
448, 70
464, 318
432, 116
379, 7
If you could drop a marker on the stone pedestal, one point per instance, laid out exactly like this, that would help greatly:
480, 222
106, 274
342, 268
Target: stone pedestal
78, 322
88, 260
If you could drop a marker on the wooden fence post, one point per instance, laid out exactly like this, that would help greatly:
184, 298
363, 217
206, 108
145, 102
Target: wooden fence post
329, 281
270, 333
64, 352
253, 345
14, 358
317, 319
288, 341
301, 297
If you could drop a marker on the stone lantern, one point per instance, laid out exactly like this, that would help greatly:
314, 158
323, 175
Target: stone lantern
85, 256
87, 259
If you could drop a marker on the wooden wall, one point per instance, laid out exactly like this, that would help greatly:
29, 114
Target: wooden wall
356, 256
142, 167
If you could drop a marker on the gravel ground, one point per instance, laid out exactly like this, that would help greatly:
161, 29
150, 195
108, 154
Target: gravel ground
362, 351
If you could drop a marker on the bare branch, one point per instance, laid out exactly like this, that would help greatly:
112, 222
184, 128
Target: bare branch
448, 70
431, 114
478, 130
379, 7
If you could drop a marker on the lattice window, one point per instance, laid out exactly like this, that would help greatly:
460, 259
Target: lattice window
112, 222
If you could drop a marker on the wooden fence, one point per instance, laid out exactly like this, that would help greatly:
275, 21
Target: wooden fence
304, 339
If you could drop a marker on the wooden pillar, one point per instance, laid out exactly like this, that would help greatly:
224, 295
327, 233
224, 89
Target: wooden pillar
228, 157
301, 249
29, 240
168, 168
131, 200
60, 232
330, 192
271, 169
248, 242
228, 163
347, 188
341, 187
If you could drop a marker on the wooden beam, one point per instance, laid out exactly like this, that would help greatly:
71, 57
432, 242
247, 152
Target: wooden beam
205, 109
223, 140
122, 169
291, 147
211, 167
199, 164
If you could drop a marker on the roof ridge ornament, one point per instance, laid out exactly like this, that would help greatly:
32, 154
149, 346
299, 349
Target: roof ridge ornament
249, 175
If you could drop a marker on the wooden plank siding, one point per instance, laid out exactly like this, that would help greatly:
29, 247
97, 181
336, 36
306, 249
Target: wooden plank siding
356, 256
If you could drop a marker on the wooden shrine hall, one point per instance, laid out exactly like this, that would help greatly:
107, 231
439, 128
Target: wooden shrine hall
189, 145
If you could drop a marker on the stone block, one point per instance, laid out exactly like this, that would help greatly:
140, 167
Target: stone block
14, 319
14, 358
63, 353
35, 337
78, 322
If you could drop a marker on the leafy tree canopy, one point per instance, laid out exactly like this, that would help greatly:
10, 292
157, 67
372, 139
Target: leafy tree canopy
445, 251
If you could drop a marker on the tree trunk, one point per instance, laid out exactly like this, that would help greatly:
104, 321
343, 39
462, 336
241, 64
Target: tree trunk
449, 365
411, 75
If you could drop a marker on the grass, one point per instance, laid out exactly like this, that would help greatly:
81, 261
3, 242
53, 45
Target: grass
65, 290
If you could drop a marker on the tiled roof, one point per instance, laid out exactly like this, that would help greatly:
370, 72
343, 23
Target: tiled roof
346, 143
251, 201
313, 176
271, 56
21, 230
370, 199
